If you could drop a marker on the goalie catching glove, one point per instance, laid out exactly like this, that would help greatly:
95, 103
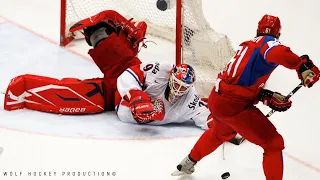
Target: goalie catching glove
144, 109
308, 72
274, 100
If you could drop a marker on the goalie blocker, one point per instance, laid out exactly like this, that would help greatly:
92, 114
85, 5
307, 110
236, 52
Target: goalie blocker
65, 96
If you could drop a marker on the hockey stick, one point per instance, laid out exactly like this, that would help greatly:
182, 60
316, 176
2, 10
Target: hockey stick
287, 97
239, 141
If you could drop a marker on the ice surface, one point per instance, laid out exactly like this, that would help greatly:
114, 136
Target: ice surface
40, 142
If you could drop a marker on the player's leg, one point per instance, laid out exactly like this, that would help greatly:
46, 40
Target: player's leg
110, 81
256, 128
251, 123
211, 139
65, 96
112, 56
220, 131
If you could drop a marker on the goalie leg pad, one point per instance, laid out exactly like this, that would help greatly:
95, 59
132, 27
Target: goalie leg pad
112, 56
65, 96
110, 82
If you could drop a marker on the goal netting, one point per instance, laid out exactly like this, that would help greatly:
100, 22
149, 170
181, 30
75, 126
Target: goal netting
183, 23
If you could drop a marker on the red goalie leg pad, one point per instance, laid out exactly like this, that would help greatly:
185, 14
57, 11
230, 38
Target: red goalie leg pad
111, 55
66, 96
110, 82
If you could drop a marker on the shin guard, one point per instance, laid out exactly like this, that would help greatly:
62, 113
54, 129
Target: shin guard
65, 96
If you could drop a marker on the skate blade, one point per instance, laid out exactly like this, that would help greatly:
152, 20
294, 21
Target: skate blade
178, 173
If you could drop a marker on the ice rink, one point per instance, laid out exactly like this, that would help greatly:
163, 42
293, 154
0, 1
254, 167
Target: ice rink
46, 146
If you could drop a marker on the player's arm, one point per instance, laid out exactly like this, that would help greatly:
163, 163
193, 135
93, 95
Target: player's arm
130, 86
276, 53
204, 119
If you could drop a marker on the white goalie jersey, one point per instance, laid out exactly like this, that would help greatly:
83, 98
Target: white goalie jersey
153, 79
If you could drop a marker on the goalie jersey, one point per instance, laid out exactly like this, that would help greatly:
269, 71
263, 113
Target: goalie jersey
153, 78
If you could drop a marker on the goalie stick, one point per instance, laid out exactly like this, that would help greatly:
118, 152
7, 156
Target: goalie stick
236, 141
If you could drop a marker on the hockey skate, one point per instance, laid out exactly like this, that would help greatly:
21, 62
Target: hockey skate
185, 167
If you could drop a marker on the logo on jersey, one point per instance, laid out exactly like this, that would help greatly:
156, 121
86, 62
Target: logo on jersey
156, 68
150, 66
273, 43
192, 105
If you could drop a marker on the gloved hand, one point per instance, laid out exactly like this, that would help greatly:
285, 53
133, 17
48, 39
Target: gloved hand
144, 109
308, 72
274, 100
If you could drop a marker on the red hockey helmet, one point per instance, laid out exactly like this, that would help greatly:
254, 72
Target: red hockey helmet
269, 25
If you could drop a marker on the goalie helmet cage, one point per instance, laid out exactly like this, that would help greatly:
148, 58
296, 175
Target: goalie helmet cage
183, 23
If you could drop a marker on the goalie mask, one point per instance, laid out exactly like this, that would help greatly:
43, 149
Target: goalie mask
182, 78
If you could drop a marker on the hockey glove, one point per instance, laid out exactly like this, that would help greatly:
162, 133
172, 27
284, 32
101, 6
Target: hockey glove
274, 100
308, 72
144, 109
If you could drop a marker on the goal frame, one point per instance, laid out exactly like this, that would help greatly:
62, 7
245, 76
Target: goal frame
64, 40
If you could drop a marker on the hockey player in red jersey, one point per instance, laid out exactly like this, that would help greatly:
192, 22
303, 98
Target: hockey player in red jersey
115, 41
240, 87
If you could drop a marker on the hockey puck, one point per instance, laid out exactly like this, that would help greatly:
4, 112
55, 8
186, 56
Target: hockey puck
162, 5
225, 175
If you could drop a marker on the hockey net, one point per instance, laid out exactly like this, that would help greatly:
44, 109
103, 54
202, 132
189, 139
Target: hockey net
184, 24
